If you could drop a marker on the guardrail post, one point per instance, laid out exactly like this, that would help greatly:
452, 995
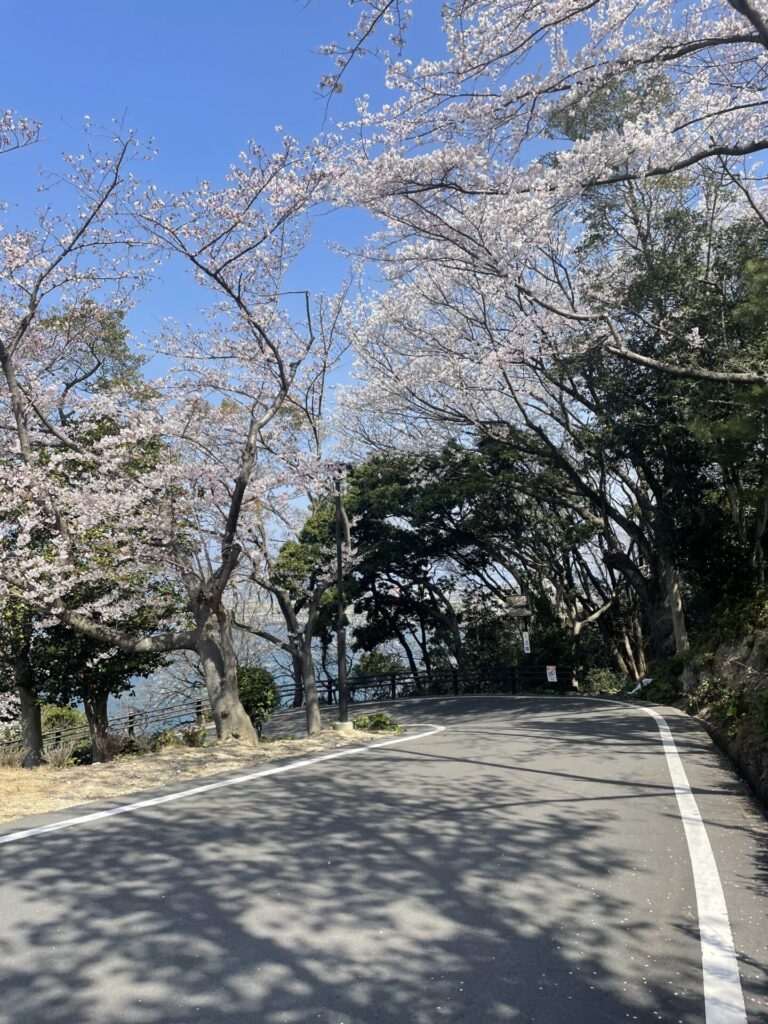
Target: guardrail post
329, 688
131, 720
198, 713
57, 738
393, 687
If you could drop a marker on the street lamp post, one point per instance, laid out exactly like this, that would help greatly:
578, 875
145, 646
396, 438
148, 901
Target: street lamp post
342, 540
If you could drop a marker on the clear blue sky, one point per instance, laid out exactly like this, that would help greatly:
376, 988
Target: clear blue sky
198, 77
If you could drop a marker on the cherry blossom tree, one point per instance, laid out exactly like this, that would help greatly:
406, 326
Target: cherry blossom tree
294, 566
175, 484
492, 171
17, 131
469, 168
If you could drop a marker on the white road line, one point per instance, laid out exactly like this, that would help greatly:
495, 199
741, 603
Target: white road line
723, 996
168, 798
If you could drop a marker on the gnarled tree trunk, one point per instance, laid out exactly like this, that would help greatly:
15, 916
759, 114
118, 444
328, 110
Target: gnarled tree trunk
219, 662
95, 704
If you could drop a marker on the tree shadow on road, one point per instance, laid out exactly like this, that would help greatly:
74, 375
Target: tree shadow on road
411, 885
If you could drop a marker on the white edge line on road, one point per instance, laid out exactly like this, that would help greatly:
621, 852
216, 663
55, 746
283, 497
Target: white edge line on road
168, 798
723, 995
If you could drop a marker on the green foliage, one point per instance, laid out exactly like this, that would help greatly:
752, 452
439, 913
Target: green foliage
376, 722
192, 735
602, 680
10, 731
667, 686
373, 663
732, 620
491, 638
759, 711
727, 705
660, 691
258, 694
164, 739
55, 717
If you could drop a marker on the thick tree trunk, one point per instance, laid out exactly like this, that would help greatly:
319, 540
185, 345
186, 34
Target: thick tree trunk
652, 596
31, 725
682, 645
219, 662
675, 599
298, 678
95, 704
314, 722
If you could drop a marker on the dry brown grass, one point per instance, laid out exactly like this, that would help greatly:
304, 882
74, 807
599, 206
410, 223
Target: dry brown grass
37, 790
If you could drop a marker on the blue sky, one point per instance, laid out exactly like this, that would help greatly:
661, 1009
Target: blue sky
199, 78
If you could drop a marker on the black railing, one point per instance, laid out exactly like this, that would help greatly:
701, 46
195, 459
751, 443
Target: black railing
381, 686
453, 682
135, 722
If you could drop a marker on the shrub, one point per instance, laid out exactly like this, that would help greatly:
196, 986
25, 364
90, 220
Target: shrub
163, 740
601, 680
661, 691
258, 694
10, 732
58, 756
54, 717
377, 722
666, 686
376, 663
192, 735
11, 755
760, 712
726, 705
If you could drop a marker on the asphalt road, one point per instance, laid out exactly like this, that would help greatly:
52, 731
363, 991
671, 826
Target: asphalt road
526, 864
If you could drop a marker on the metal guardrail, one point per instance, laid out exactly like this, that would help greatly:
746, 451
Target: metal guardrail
139, 721
452, 682
382, 686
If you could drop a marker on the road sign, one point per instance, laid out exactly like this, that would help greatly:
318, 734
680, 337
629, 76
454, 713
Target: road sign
551, 673
526, 642
517, 606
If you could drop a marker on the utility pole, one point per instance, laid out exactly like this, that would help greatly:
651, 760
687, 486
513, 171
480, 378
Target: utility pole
342, 542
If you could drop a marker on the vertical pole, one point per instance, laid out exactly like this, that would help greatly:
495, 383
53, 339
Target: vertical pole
131, 729
341, 632
198, 713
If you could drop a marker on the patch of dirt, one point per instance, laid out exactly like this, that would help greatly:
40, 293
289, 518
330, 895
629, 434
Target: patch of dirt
25, 791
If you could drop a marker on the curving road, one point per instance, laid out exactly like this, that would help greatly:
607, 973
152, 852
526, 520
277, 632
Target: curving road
526, 863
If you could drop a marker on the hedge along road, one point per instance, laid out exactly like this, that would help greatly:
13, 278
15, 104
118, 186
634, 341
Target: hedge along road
527, 863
